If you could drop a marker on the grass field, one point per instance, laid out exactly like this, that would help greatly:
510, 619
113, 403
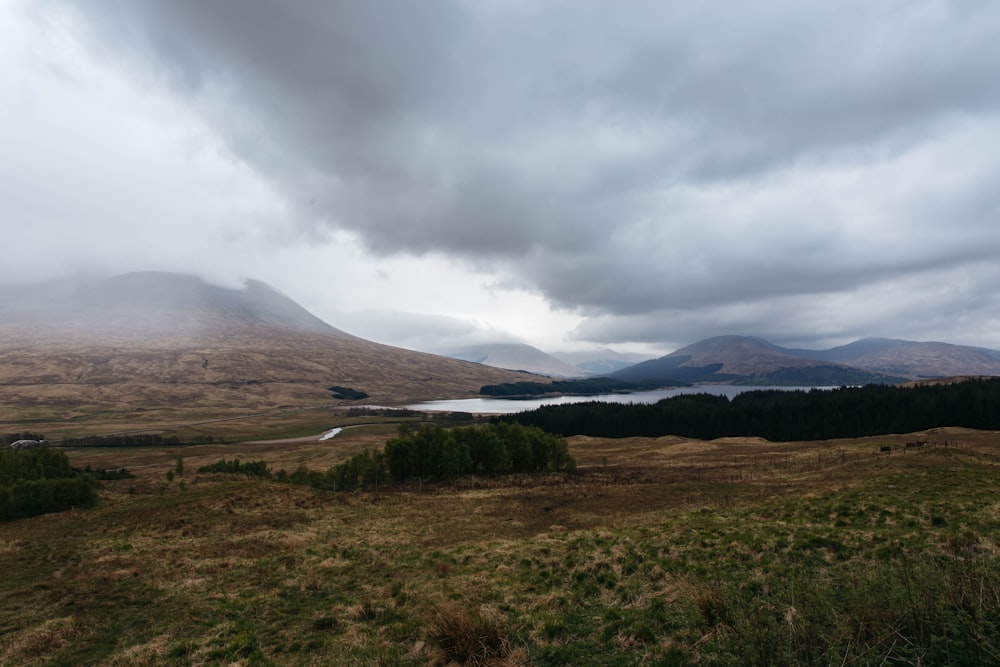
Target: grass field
658, 552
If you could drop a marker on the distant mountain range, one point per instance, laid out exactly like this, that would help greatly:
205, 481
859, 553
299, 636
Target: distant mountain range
523, 357
142, 343
600, 361
752, 361
151, 341
518, 357
910, 359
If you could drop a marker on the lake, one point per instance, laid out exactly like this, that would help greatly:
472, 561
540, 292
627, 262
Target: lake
508, 406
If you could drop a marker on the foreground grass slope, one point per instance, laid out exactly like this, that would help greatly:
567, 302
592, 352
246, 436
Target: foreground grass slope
662, 551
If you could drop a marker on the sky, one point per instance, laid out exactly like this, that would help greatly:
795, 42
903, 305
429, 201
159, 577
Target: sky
571, 174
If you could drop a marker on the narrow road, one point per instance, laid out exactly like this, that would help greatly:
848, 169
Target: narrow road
301, 439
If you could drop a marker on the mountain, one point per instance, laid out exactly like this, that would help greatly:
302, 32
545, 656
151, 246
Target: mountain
601, 361
148, 308
517, 356
911, 359
142, 343
745, 360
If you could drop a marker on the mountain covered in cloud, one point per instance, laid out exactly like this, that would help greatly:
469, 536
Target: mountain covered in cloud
522, 357
747, 360
518, 357
160, 340
144, 308
600, 361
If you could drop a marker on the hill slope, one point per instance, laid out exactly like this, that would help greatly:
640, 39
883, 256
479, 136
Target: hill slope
148, 342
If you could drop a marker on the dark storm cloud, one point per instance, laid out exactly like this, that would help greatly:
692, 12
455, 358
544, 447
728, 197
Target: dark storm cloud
669, 160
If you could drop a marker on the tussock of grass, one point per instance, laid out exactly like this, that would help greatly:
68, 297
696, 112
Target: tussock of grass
474, 638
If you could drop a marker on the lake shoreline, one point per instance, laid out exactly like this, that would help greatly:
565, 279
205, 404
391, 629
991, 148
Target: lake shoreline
510, 405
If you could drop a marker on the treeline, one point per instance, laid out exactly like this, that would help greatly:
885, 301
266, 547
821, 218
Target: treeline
109, 474
365, 411
364, 470
38, 481
782, 415
235, 467
599, 385
442, 417
429, 453
136, 440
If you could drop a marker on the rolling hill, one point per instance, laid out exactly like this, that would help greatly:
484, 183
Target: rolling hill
143, 343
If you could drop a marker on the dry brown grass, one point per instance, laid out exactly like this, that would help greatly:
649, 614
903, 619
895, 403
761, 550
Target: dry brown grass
237, 571
472, 637
82, 388
30, 645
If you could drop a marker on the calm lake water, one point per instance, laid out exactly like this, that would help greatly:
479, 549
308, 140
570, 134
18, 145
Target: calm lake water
507, 406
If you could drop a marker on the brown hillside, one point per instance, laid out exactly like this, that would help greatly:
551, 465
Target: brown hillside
152, 342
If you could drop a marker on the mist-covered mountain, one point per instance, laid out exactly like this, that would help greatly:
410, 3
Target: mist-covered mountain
146, 307
746, 360
518, 357
163, 339
600, 361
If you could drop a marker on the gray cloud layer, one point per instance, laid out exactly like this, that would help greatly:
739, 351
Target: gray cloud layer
671, 170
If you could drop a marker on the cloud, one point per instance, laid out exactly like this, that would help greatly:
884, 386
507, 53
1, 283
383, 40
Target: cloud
419, 331
660, 170
949, 304
99, 176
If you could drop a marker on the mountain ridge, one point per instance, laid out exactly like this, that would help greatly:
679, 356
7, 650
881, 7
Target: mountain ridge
913, 359
750, 360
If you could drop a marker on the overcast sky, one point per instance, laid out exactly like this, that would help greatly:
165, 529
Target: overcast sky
638, 175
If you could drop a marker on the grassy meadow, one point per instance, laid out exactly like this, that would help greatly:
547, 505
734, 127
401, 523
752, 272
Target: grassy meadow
664, 551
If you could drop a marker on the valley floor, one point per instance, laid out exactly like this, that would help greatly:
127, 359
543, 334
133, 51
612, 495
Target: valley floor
666, 551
